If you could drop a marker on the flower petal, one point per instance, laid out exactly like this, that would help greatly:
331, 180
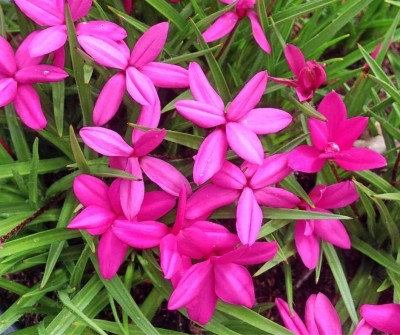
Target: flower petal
326, 317
27, 105
79, 8
202, 114
259, 252
230, 176
22, 55
305, 159
295, 58
382, 317
170, 257
166, 75
306, 245
258, 32
318, 133
276, 197
148, 141
91, 191
105, 141
221, 27
100, 29
363, 328
8, 91
40, 74
44, 12
244, 143
266, 120
149, 45
291, 321
48, 40
334, 109
248, 97
349, 130
202, 308
140, 87
155, 205
334, 196
357, 159
8, 65
149, 117
96, 220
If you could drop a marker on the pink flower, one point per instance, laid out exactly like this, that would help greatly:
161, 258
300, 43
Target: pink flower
127, 5
18, 72
308, 232
310, 75
251, 186
103, 215
222, 275
228, 21
139, 73
334, 140
134, 160
320, 316
384, 318
237, 126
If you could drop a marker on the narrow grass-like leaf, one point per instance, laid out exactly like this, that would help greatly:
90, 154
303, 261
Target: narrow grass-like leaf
138, 25
104, 171
78, 154
306, 108
33, 175
388, 196
58, 91
80, 266
291, 184
18, 139
389, 88
166, 10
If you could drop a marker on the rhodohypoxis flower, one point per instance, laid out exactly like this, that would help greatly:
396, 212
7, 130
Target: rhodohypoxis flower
18, 72
139, 73
238, 126
250, 185
334, 140
384, 318
309, 75
308, 232
228, 21
103, 216
133, 160
222, 275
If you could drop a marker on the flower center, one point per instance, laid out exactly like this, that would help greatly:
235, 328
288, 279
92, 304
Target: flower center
331, 148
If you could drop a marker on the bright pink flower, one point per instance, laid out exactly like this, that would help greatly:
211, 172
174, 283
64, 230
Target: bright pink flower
103, 215
384, 318
308, 232
222, 275
251, 186
133, 160
320, 316
127, 5
17, 74
139, 73
334, 140
310, 75
238, 126
228, 21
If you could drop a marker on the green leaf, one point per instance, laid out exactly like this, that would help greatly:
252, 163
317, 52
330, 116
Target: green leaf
33, 175
388, 196
138, 25
58, 91
389, 88
306, 108
165, 9
78, 154
104, 171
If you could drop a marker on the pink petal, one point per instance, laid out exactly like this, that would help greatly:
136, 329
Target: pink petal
318, 133
105, 51
349, 130
208, 198
258, 32
127, 5
306, 245
8, 91
194, 243
27, 105
259, 252
111, 252
291, 321
309, 316
91, 191
141, 235
166, 75
79, 8
8, 65
201, 88
170, 257
202, 308
221, 27
155, 205
357, 159
248, 217
363, 328
101, 29
304, 94
305, 159
384, 317
105, 141
295, 58
149, 117
273, 170
192, 284
234, 285
244, 143
40, 74
334, 196
326, 317
230, 176
164, 175
202, 114
140, 87
266, 120
276, 197
114, 196
109, 99
180, 212
148, 141
150, 45
22, 55
248, 97
210, 157
48, 40
44, 12
95, 219
132, 192
333, 108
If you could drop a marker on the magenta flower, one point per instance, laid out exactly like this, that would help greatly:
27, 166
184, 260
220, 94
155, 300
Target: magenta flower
308, 232
18, 72
251, 186
309, 75
139, 73
133, 160
222, 275
320, 317
228, 21
237, 126
384, 318
103, 215
334, 140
